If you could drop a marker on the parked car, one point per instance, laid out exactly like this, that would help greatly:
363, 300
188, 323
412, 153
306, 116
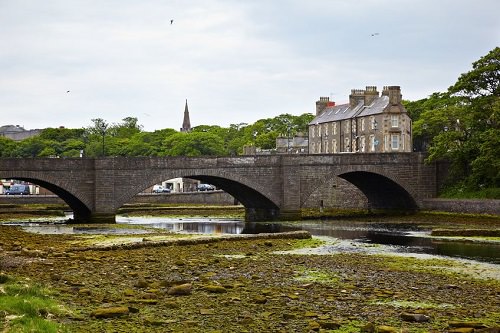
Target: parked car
160, 189
205, 187
18, 190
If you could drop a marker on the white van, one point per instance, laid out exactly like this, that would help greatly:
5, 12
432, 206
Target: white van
160, 189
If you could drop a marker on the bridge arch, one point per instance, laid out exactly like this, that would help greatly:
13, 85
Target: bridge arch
382, 190
258, 201
60, 187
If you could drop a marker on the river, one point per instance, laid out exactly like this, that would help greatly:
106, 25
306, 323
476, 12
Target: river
339, 235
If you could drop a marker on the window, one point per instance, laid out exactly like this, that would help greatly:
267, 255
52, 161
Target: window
372, 142
395, 142
327, 148
334, 144
346, 145
362, 144
394, 120
313, 148
362, 124
334, 128
319, 131
347, 127
373, 123
311, 130
386, 142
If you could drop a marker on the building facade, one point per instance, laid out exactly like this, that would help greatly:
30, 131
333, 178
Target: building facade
17, 133
369, 123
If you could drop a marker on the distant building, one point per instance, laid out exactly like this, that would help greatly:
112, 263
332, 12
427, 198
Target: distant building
369, 123
299, 144
186, 123
17, 133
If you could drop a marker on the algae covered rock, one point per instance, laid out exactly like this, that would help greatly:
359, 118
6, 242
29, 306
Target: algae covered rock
110, 312
181, 290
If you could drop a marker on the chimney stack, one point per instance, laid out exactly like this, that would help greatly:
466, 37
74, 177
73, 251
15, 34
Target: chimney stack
322, 104
371, 94
394, 93
356, 96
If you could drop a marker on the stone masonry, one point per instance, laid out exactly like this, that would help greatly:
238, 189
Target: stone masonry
270, 187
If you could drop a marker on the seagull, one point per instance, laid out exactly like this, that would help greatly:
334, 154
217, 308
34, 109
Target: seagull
375, 34
171, 21
67, 91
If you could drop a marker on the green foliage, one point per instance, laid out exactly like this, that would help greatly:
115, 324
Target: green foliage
8, 147
462, 126
30, 305
193, 144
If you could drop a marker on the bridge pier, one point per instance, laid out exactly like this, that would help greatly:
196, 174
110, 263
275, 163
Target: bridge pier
94, 218
270, 214
261, 214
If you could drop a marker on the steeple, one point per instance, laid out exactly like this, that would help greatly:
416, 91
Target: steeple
186, 124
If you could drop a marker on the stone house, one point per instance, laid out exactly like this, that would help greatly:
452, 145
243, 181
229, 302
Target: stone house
17, 133
369, 123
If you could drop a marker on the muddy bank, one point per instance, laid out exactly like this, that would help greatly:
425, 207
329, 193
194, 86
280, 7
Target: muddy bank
245, 286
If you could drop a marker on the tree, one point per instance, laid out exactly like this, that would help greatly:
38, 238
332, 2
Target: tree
8, 147
462, 125
193, 144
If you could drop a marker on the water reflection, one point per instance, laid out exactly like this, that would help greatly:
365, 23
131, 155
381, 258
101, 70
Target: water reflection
406, 238
189, 225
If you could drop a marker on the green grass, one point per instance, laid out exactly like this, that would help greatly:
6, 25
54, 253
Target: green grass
461, 192
26, 308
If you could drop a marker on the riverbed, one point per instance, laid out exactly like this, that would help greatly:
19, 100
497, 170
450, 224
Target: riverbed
350, 276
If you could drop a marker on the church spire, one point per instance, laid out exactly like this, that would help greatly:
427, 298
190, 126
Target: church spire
186, 123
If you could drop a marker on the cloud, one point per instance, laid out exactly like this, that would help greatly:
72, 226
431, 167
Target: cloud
234, 61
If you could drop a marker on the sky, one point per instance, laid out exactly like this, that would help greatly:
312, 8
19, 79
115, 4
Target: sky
66, 62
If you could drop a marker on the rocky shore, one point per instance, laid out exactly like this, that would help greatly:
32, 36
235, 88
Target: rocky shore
246, 285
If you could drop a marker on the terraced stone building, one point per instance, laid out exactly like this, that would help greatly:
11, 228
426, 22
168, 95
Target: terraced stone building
369, 123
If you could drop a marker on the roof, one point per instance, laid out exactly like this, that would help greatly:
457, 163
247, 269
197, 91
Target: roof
11, 129
345, 111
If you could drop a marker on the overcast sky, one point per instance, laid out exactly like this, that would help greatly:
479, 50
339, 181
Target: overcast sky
235, 61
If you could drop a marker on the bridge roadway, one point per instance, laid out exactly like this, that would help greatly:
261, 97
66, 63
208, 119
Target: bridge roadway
270, 187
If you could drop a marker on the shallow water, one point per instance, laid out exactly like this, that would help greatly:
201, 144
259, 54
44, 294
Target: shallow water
344, 236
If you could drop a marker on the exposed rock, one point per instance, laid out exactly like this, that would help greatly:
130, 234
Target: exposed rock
289, 316
329, 325
414, 317
111, 312
470, 324
215, 289
259, 299
141, 283
181, 290
368, 328
461, 330
386, 329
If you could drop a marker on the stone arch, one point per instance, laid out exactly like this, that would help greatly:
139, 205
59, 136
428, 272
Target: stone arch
63, 189
383, 190
250, 194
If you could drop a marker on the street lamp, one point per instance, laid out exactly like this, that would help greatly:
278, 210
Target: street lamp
103, 127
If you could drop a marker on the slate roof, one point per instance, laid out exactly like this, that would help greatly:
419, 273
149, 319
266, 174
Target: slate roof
345, 111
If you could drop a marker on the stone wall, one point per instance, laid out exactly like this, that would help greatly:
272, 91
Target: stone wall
204, 198
463, 206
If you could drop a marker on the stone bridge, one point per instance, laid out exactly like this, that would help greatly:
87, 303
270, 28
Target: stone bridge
270, 187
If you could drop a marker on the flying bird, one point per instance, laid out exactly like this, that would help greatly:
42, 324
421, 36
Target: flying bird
375, 34
67, 91
171, 21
